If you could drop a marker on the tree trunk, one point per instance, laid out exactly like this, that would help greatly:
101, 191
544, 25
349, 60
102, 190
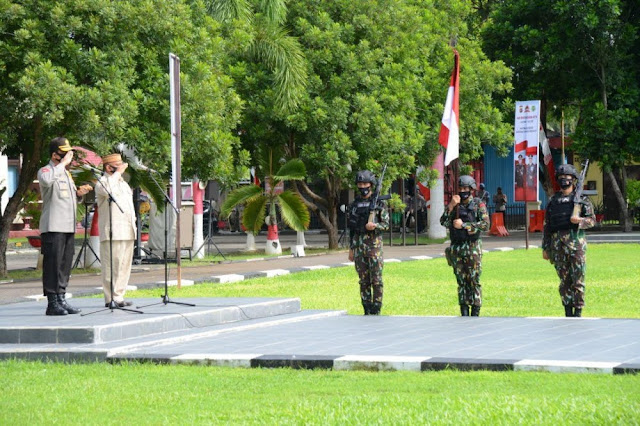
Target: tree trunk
329, 215
28, 172
625, 222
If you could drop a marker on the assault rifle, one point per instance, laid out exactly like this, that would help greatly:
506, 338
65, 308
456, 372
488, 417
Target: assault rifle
579, 189
376, 197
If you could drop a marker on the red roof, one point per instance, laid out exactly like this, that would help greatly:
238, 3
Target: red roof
88, 156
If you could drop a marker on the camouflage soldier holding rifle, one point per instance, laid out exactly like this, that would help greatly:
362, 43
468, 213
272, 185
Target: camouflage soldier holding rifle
466, 217
368, 218
564, 244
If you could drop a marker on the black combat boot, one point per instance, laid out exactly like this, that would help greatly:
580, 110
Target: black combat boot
475, 311
464, 310
367, 308
577, 312
53, 307
568, 310
62, 301
375, 309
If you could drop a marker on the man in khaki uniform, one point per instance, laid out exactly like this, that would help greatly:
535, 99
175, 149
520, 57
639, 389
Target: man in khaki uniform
58, 225
117, 229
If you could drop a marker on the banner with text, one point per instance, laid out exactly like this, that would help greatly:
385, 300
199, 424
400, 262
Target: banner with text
525, 153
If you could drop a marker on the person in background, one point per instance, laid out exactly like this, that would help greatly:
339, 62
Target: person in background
500, 201
484, 195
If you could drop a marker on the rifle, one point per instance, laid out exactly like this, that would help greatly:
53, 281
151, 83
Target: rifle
376, 197
579, 189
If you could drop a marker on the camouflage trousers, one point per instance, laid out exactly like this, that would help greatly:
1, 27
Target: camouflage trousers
466, 260
369, 269
570, 261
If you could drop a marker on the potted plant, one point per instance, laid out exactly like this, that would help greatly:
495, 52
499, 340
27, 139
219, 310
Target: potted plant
598, 210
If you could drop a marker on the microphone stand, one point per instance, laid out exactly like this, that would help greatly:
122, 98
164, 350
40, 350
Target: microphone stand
112, 305
165, 297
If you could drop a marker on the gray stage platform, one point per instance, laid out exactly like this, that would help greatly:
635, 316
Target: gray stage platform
276, 333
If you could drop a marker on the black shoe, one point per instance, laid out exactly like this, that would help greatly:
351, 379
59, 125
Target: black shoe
464, 310
577, 312
122, 304
568, 310
475, 311
53, 307
62, 301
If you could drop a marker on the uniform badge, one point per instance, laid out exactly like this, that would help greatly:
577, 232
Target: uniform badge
46, 170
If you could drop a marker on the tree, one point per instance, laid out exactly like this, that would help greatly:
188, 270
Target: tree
97, 73
583, 53
257, 201
378, 75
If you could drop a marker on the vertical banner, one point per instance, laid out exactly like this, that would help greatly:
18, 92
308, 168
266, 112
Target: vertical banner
525, 153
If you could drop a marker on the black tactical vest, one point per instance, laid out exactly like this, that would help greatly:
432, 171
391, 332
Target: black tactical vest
559, 212
359, 215
468, 214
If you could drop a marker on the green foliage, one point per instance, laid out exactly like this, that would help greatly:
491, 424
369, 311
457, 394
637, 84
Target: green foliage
32, 209
633, 192
396, 203
290, 205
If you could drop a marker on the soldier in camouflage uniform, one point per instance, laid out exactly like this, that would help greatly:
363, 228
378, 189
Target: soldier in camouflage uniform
365, 238
466, 217
564, 243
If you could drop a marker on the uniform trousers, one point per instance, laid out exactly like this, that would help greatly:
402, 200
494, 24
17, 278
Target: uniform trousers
122, 256
57, 251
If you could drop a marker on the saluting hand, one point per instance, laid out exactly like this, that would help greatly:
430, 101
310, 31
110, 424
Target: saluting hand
122, 167
68, 157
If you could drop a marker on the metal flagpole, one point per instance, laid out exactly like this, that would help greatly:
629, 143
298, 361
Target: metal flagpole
174, 73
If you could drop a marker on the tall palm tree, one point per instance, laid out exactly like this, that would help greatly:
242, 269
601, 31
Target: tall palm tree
270, 44
256, 201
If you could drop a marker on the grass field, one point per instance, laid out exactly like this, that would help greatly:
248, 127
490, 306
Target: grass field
515, 283
36, 393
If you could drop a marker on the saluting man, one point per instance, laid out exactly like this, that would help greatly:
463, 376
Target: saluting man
117, 229
58, 225
365, 238
466, 217
564, 242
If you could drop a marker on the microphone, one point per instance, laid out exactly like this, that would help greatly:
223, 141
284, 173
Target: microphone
90, 168
140, 166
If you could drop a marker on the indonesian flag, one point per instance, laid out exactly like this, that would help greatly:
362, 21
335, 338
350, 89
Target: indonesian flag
449, 129
548, 158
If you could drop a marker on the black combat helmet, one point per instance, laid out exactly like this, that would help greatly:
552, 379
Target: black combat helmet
467, 180
365, 176
567, 169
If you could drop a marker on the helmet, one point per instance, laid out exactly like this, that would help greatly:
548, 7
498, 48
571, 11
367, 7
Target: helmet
482, 186
466, 180
365, 176
566, 169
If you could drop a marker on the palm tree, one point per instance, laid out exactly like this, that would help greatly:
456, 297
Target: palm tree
270, 45
256, 201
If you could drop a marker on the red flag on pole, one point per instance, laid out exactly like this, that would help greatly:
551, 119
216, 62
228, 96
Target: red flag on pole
449, 129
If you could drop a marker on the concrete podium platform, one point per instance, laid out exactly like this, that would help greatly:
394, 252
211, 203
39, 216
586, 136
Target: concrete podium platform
263, 332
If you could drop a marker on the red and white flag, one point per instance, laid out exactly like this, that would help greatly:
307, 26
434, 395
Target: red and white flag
449, 129
548, 158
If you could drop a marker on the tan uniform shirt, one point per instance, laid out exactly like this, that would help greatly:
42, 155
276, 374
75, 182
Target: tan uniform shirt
123, 224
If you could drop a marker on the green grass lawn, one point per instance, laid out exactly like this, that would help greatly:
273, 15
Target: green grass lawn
515, 283
36, 393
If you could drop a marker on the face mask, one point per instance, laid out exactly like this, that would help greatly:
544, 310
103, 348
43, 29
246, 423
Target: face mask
364, 191
464, 195
565, 183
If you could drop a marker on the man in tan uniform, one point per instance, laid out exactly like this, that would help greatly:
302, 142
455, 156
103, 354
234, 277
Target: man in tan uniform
58, 225
117, 229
